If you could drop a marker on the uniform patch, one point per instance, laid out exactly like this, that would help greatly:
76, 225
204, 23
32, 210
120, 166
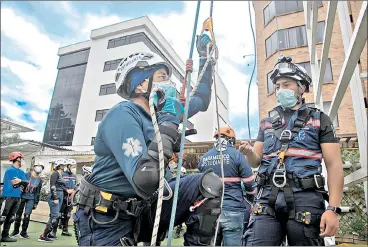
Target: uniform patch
132, 147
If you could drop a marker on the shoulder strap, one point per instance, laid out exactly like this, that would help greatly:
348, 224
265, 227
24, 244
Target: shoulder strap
299, 123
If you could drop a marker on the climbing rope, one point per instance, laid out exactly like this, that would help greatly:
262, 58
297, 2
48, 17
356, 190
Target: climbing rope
254, 68
162, 180
185, 120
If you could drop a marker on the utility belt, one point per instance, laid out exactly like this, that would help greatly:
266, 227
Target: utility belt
304, 217
92, 199
279, 179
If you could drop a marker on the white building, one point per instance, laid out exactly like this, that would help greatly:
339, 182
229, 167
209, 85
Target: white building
85, 89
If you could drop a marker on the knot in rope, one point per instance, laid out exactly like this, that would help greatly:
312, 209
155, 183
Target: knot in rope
189, 65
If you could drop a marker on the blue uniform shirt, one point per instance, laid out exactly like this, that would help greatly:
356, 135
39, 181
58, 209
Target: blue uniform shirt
70, 179
11, 173
236, 170
123, 136
31, 189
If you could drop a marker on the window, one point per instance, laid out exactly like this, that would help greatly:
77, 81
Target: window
111, 65
75, 58
135, 38
326, 109
100, 114
328, 72
277, 8
270, 85
272, 113
291, 38
93, 141
107, 89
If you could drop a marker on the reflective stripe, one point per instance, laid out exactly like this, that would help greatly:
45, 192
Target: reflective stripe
232, 179
248, 179
315, 122
298, 152
252, 192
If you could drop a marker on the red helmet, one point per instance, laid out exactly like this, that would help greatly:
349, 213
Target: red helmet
15, 155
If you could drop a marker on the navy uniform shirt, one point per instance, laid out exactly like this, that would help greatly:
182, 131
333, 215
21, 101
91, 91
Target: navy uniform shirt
236, 170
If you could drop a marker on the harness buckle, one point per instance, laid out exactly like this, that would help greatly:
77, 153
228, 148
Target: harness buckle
304, 217
316, 181
279, 177
131, 209
285, 134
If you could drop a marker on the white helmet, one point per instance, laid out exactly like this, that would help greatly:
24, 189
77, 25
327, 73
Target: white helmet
70, 162
183, 170
86, 170
59, 162
137, 60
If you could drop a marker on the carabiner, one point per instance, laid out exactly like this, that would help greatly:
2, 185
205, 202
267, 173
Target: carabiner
166, 198
279, 173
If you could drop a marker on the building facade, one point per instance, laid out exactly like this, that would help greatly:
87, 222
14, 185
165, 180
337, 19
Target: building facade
85, 88
280, 30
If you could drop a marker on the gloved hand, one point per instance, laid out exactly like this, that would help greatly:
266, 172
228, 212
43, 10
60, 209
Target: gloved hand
201, 44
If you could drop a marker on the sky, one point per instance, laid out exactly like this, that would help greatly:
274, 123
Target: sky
32, 32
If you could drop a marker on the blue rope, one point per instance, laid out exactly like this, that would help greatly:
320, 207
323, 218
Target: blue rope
185, 120
254, 67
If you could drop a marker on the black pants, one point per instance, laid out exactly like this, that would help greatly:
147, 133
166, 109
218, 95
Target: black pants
10, 209
65, 212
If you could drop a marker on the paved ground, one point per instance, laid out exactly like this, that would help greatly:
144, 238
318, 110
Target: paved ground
35, 230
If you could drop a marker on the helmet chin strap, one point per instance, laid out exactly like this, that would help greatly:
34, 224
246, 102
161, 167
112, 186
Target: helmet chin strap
299, 95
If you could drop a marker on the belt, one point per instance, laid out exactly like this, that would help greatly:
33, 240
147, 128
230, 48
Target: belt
315, 182
104, 202
300, 216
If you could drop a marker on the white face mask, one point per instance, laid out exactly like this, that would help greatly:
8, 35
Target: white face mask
38, 169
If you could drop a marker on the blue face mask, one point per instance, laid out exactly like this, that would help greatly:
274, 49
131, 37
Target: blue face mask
167, 87
286, 98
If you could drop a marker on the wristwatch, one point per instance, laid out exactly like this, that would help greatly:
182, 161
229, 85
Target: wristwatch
336, 210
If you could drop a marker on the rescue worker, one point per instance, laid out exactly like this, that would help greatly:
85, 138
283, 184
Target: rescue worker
248, 207
55, 198
126, 168
14, 181
289, 148
69, 175
236, 171
29, 200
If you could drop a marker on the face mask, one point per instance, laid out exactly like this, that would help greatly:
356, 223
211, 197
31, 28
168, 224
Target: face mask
37, 169
167, 87
286, 98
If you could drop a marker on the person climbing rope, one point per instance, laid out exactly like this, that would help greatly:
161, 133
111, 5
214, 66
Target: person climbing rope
29, 200
14, 181
69, 175
289, 148
125, 174
236, 170
55, 198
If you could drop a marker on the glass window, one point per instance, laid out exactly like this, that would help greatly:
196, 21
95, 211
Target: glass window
272, 10
320, 31
328, 72
291, 6
292, 37
270, 85
108, 89
266, 14
283, 39
100, 114
272, 113
268, 47
274, 45
75, 58
93, 141
280, 7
